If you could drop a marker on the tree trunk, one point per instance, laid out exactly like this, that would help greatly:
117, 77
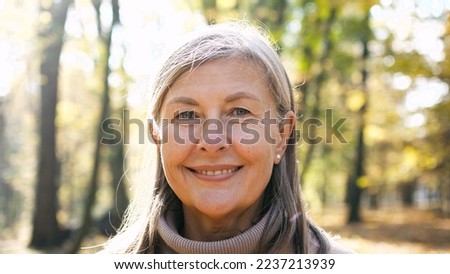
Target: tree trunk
354, 189
112, 220
6, 192
93, 185
46, 230
407, 190
445, 197
354, 186
314, 89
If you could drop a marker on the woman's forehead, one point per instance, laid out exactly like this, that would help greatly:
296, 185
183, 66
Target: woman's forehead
234, 79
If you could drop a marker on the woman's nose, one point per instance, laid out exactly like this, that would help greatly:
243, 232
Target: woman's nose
213, 136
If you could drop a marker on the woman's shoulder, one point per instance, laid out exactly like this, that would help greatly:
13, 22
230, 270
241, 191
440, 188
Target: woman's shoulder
335, 246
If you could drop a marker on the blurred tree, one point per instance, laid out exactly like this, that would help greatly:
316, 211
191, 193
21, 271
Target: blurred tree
420, 134
356, 182
317, 48
46, 230
443, 113
210, 10
106, 36
272, 14
6, 191
112, 219
332, 58
437, 161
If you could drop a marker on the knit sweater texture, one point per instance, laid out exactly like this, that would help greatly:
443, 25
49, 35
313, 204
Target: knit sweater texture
170, 240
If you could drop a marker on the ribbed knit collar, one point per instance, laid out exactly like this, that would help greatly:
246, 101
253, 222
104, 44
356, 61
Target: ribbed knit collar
173, 242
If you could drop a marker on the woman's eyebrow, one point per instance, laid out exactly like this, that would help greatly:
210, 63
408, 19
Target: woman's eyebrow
241, 95
183, 100
233, 97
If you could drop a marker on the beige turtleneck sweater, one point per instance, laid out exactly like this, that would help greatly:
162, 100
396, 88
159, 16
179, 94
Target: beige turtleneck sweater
247, 242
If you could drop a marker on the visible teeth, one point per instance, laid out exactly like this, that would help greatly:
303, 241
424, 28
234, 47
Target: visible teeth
216, 172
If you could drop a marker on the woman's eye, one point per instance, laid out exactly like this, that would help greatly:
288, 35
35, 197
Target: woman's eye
240, 111
185, 115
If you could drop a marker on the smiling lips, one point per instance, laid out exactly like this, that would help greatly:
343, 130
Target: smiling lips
214, 171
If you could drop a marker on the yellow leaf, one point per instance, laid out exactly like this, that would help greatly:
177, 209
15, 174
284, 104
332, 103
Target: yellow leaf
363, 182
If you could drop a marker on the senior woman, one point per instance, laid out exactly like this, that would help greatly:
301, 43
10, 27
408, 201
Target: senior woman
223, 121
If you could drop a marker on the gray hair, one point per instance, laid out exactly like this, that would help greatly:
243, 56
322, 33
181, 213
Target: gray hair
228, 40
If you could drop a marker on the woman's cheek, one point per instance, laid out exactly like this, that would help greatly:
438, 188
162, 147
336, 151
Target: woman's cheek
180, 135
176, 147
244, 134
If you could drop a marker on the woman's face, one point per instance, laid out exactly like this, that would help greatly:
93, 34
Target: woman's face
219, 137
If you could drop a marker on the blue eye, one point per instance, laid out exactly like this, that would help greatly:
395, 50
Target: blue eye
185, 115
240, 111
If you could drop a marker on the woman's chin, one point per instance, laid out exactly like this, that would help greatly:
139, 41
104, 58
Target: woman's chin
215, 210
219, 210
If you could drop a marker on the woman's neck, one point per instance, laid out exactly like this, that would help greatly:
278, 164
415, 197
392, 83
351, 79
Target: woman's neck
199, 227
170, 231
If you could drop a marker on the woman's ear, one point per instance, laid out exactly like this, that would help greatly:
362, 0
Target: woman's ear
287, 125
153, 132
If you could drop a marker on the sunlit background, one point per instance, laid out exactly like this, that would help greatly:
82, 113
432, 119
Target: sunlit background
382, 66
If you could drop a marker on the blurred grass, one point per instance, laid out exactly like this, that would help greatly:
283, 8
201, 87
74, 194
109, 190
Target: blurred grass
389, 230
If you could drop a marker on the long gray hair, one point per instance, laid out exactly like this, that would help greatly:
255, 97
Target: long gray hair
282, 195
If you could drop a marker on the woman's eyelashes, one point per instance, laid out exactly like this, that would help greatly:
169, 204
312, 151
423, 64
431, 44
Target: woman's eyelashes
183, 116
239, 112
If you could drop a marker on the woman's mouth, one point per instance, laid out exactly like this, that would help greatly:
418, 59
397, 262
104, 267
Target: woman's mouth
215, 172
